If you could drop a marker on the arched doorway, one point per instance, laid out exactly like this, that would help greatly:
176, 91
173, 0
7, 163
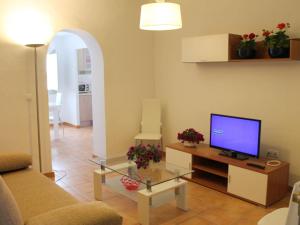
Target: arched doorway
97, 88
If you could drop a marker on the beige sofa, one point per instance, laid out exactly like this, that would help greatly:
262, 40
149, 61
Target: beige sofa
39, 201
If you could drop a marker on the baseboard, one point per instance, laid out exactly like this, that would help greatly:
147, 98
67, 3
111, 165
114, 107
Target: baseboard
71, 125
50, 175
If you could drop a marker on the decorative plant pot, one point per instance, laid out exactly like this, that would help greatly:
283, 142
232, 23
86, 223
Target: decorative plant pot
189, 144
279, 52
246, 53
150, 165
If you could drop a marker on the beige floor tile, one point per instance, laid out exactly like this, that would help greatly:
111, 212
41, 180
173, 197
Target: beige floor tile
196, 221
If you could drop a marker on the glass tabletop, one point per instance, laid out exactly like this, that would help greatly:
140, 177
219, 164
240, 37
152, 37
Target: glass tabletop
155, 173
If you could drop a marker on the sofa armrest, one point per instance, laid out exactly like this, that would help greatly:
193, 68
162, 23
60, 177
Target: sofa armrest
12, 160
94, 213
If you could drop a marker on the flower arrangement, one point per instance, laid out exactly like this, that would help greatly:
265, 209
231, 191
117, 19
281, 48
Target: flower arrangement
191, 136
143, 154
277, 40
248, 41
246, 49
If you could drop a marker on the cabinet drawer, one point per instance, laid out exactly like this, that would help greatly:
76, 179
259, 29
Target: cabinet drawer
247, 184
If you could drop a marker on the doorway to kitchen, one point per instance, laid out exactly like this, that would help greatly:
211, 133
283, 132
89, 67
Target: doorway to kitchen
75, 82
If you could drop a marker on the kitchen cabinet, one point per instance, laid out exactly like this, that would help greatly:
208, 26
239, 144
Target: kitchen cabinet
85, 110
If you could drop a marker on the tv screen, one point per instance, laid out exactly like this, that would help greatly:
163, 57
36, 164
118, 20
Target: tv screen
236, 134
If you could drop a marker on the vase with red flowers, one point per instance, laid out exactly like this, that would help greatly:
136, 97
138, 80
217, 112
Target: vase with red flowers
278, 43
142, 155
246, 49
190, 137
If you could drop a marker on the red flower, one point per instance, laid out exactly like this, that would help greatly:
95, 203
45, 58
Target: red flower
190, 135
252, 36
267, 33
245, 36
281, 26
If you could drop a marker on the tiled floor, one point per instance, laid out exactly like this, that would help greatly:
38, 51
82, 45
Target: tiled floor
207, 207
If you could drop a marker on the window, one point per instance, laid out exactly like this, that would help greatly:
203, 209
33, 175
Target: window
52, 74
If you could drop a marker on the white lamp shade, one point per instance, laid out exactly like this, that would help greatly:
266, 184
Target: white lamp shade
29, 27
160, 16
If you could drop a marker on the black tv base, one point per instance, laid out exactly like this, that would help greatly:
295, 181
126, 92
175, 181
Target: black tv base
234, 155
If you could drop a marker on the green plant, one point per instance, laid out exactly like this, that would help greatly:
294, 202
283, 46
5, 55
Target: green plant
279, 39
248, 41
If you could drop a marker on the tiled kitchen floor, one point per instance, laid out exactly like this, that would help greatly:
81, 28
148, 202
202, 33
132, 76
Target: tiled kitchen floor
207, 207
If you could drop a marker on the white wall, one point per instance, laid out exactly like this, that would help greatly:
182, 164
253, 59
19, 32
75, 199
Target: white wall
65, 45
265, 90
128, 58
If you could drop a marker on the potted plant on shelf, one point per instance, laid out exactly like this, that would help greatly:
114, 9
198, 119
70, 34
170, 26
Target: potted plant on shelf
190, 137
144, 154
246, 49
278, 43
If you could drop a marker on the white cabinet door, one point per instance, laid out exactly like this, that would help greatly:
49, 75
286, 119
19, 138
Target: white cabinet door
179, 158
211, 48
85, 108
247, 184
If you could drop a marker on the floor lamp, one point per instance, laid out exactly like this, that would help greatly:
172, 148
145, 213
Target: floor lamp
35, 46
32, 28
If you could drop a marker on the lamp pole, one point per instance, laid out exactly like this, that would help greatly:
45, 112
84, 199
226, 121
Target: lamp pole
35, 46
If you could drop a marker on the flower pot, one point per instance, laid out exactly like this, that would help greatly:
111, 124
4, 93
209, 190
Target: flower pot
246, 53
151, 163
279, 52
189, 144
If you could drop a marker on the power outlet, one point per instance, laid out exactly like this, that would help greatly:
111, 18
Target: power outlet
272, 154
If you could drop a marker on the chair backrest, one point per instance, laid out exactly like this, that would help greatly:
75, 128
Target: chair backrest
151, 116
58, 99
52, 96
293, 217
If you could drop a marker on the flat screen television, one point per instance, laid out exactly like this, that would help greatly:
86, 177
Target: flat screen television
239, 136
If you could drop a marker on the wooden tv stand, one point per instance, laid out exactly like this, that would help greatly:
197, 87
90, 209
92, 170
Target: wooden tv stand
231, 176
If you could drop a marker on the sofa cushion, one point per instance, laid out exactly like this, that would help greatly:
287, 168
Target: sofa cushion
94, 213
9, 211
36, 194
11, 160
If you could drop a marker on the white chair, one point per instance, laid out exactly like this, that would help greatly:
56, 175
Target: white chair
285, 216
151, 121
55, 104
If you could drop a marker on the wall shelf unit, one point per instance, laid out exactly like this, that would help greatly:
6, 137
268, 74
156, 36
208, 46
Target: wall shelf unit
231, 176
223, 48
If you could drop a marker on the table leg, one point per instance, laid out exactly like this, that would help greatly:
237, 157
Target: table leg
180, 195
99, 179
144, 209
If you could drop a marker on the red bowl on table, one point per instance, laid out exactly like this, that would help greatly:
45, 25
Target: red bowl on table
130, 184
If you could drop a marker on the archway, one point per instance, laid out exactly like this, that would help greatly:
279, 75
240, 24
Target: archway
98, 98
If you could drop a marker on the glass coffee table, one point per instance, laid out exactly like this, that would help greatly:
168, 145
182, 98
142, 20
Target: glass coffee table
158, 184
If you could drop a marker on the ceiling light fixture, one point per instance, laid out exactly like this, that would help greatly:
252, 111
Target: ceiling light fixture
160, 16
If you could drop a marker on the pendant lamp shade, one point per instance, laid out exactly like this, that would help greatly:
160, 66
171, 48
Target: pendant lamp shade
160, 16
